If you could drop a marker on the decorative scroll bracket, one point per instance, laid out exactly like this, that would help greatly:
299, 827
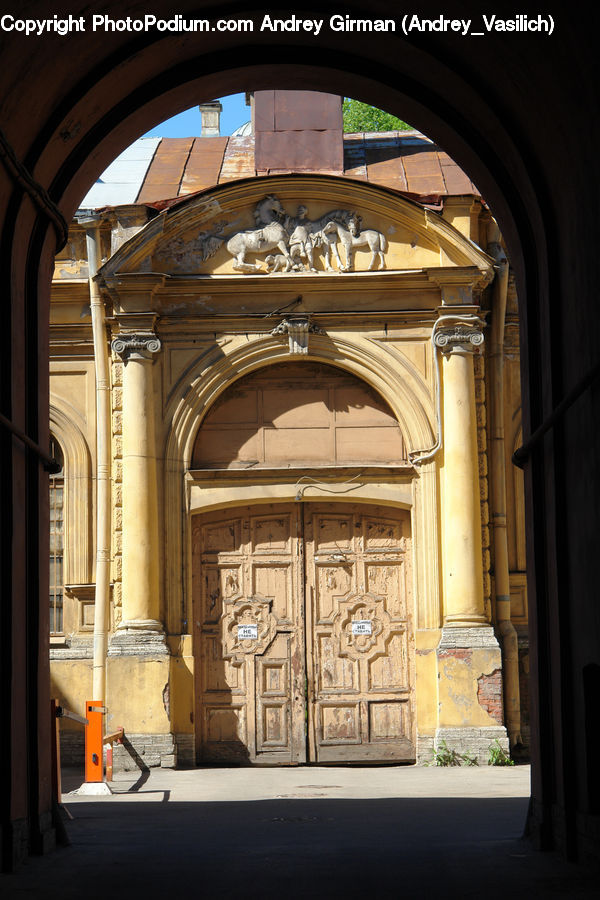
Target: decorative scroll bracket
297, 329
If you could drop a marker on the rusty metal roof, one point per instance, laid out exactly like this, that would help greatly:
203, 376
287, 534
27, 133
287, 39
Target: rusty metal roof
170, 168
405, 161
121, 182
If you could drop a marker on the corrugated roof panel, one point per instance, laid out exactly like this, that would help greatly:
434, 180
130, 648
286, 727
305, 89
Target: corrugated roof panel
384, 165
164, 176
354, 156
238, 161
423, 172
143, 148
121, 181
204, 164
457, 182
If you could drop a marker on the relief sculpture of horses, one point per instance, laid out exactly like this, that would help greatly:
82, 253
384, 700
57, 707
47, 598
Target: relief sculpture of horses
257, 240
307, 234
270, 235
295, 237
351, 238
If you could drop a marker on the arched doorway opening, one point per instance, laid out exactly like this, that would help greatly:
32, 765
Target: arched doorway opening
66, 166
304, 638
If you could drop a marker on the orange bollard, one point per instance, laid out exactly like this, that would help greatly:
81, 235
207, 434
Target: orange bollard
93, 741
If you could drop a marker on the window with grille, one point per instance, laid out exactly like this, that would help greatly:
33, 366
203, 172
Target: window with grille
57, 541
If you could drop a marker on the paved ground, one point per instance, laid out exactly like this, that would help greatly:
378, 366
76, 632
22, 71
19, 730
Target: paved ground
400, 832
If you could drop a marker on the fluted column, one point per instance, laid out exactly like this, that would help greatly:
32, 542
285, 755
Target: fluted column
140, 598
462, 559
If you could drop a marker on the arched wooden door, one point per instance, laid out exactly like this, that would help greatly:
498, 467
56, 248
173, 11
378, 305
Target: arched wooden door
303, 634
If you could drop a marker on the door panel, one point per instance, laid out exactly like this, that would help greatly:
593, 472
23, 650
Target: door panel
359, 628
249, 636
254, 572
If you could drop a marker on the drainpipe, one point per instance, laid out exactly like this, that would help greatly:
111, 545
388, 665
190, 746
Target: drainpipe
103, 449
508, 634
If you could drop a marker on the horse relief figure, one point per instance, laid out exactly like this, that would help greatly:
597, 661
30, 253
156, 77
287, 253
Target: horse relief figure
351, 238
269, 235
307, 234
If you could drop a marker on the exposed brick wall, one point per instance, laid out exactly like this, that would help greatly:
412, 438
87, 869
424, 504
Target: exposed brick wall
489, 694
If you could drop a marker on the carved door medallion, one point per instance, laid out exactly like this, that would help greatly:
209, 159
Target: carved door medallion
303, 634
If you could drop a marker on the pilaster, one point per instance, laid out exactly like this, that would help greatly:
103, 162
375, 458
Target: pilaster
140, 599
470, 711
138, 672
461, 545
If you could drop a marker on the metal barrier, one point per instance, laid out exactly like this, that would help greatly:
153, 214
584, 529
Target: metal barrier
94, 743
110, 739
59, 712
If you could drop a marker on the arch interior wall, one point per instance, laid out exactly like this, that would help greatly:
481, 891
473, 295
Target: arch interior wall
70, 128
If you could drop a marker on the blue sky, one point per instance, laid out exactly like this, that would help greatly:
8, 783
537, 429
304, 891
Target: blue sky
187, 124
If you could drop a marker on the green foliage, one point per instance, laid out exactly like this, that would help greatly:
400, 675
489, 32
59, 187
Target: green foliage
470, 759
362, 117
498, 756
443, 755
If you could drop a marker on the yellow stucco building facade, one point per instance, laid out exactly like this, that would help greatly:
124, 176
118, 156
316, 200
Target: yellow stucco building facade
287, 520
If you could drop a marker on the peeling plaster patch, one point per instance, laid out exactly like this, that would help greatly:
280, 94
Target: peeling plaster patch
457, 695
166, 698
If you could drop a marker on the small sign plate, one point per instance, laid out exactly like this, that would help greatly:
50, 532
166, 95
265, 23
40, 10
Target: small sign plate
249, 632
362, 626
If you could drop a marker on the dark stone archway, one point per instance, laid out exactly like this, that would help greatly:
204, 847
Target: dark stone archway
517, 111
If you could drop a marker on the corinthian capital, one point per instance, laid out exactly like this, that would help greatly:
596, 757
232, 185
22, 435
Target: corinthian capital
136, 346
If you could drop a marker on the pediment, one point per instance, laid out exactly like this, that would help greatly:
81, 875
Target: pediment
294, 225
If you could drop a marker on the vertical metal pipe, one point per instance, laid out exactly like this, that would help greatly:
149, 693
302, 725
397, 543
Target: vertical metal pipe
508, 634
103, 468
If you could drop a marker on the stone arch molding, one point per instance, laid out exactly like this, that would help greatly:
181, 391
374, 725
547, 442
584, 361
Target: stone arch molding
78, 502
394, 378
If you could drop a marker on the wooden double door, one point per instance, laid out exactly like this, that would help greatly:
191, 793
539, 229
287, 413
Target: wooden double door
303, 634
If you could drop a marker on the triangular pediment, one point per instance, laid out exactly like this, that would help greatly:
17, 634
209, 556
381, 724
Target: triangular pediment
292, 225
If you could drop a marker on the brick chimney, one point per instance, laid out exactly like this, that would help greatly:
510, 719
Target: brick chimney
210, 114
298, 131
